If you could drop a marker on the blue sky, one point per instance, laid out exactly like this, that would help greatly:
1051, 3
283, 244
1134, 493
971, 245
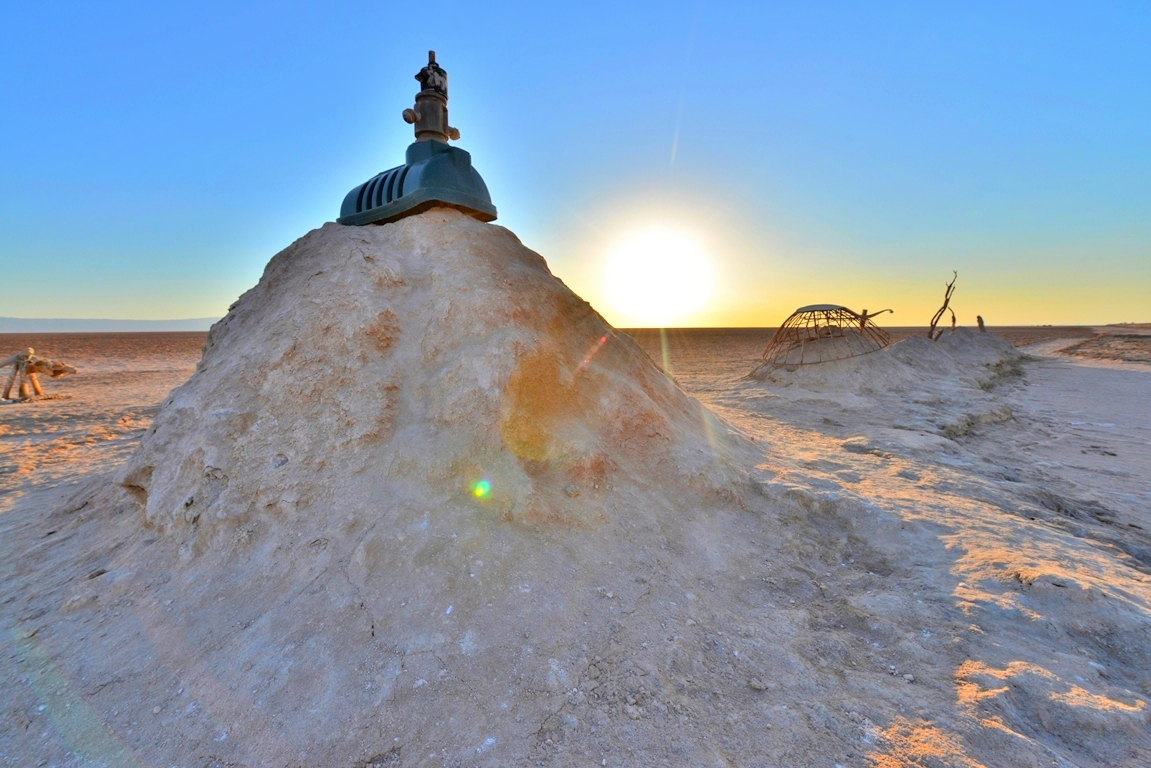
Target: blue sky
153, 156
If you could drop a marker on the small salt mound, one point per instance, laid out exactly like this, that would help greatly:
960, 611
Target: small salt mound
842, 344
970, 359
434, 359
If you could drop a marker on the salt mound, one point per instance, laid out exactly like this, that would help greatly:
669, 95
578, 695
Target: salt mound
970, 359
435, 359
845, 344
418, 495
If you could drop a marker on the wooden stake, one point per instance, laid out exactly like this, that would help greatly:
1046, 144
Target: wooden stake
35, 384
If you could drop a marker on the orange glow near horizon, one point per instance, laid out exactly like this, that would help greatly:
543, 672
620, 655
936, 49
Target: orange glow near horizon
763, 264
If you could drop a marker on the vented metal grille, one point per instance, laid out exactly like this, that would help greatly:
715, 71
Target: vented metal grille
382, 189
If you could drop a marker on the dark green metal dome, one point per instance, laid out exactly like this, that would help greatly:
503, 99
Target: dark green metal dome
434, 174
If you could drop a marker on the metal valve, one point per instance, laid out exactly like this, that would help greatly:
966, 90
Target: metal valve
430, 114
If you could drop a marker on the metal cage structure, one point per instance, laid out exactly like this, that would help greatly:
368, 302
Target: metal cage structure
822, 333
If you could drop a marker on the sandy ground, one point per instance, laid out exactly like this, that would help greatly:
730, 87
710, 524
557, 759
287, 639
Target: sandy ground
956, 573
102, 411
1128, 347
1038, 484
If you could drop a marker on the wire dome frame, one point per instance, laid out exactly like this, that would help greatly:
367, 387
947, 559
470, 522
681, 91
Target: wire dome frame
822, 333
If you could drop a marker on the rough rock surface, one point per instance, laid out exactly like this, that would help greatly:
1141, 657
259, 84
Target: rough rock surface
376, 364
425, 411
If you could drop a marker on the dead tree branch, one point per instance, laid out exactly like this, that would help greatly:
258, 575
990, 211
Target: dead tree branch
931, 334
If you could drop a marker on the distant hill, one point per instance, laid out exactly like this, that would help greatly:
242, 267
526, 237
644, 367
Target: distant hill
80, 325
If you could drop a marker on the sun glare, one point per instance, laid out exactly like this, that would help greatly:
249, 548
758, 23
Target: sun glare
656, 276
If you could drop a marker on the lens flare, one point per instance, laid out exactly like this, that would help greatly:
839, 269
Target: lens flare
481, 489
594, 351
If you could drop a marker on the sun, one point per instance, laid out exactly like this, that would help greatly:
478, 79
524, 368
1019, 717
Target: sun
657, 275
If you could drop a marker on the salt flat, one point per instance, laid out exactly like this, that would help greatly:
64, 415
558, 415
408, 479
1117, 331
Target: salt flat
937, 556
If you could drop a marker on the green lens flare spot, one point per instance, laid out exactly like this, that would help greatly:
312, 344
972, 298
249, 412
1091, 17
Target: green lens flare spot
481, 489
